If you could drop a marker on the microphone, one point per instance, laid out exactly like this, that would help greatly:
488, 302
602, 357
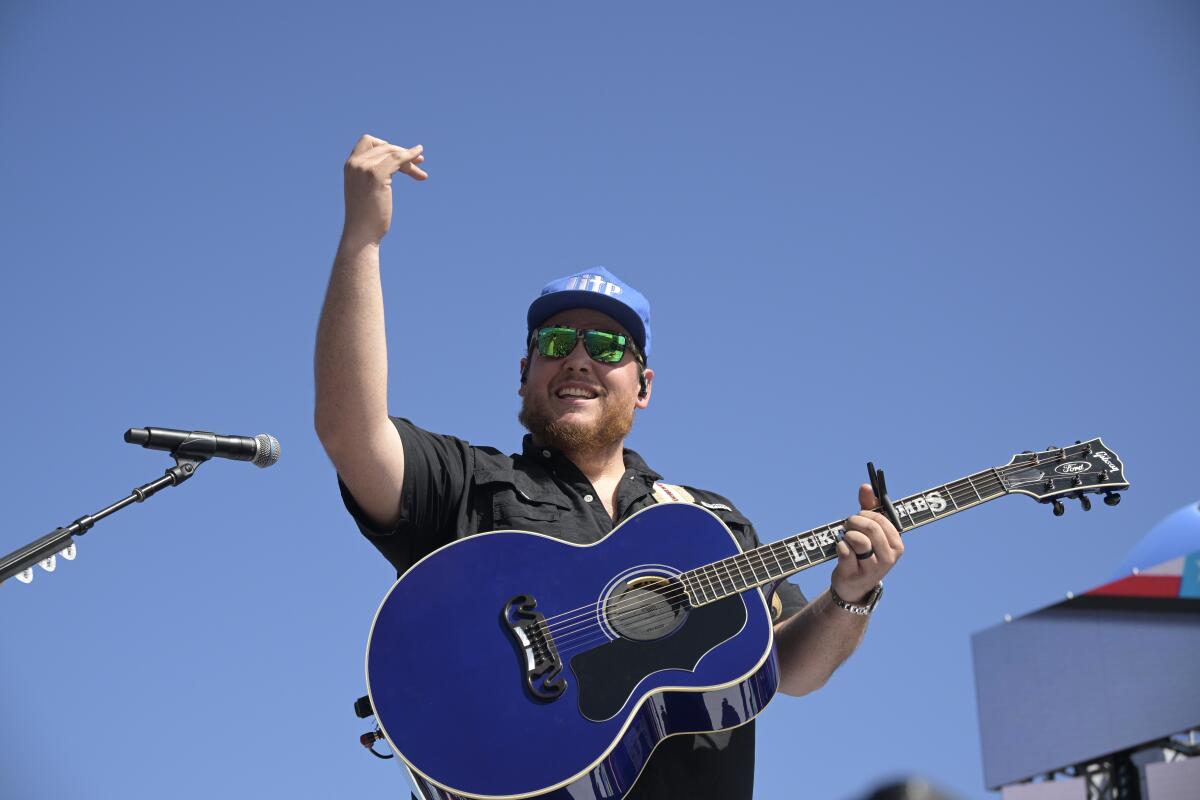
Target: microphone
262, 450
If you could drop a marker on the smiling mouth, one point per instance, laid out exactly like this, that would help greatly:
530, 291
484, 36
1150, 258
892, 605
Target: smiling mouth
576, 393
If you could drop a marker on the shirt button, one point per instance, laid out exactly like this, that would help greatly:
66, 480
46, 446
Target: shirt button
588, 498
545, 454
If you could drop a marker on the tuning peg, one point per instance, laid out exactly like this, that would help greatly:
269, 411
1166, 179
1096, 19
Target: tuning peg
1085, 501
1059, 510
1111, 498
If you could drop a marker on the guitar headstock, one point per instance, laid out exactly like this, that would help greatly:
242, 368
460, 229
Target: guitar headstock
1076, 471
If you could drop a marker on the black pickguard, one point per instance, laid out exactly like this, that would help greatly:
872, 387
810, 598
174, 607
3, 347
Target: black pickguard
607, 674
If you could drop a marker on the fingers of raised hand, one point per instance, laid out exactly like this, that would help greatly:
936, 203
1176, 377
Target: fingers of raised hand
389, 155
405, 160
382, 159
411, 169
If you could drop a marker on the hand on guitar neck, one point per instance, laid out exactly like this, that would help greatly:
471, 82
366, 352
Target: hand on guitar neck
869, 550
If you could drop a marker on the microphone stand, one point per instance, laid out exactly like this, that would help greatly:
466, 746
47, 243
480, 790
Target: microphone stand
60, 539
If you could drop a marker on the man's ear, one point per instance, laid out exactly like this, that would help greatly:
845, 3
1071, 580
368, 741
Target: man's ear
648, 384
524, 376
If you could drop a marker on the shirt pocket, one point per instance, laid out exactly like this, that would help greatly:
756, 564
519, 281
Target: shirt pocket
518, 502
513, 510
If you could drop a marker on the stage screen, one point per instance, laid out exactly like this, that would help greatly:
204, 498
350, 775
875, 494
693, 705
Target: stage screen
1082, 679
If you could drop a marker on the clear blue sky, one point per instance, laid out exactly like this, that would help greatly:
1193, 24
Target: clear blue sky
931, 235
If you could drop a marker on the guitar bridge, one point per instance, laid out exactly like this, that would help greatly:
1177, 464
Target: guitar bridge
535, 648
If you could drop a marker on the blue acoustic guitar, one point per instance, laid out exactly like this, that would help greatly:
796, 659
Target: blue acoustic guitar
515, 665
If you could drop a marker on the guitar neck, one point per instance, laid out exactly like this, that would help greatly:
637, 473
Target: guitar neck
775, 561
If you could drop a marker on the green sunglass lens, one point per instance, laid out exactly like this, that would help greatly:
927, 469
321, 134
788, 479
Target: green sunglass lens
556, 342
607, 348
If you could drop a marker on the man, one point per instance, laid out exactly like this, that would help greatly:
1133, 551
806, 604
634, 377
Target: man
584, 376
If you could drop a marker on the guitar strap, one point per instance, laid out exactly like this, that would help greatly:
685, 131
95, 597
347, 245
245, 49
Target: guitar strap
670, 493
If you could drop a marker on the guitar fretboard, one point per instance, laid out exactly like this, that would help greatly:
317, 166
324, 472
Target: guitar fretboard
775, 561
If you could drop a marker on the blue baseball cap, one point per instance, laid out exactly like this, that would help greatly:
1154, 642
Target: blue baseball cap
598, 289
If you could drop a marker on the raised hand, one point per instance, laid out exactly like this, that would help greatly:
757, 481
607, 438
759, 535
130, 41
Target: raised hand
368, 187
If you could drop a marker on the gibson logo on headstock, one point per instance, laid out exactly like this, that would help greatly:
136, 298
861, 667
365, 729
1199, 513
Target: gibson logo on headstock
1072, 467
1103, 456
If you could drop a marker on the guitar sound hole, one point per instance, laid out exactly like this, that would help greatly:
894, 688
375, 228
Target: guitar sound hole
647, 608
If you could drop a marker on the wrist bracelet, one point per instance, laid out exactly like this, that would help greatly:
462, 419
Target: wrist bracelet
864, 608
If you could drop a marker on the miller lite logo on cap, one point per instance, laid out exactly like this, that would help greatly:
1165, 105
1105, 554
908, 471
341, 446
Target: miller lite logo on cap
592, 283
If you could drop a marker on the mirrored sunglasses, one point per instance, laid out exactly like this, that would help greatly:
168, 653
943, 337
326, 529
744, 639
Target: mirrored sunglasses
605, 347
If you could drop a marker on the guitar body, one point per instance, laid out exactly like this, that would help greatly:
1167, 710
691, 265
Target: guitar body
516, 665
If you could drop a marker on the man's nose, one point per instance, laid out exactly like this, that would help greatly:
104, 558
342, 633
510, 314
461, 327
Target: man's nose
578, 359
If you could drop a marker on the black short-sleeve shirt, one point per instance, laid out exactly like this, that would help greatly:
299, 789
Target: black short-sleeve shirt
453, 489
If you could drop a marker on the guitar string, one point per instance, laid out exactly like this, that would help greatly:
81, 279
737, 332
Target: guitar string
570, 634
959, 491
964, 487
565, 628
583, 632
